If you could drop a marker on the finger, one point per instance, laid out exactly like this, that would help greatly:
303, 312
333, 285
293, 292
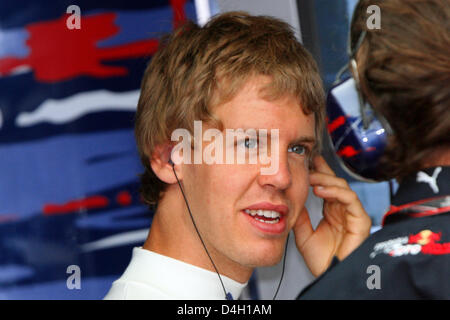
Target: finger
320, 165
323, 179
303, 229
345, 196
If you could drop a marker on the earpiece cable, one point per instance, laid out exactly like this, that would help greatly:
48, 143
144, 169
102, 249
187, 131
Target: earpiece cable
227, 295
198, 233
284, 264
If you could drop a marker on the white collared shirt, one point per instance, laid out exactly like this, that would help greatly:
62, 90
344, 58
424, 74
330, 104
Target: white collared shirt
154, 276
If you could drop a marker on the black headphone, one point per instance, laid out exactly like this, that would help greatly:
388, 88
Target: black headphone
228, 295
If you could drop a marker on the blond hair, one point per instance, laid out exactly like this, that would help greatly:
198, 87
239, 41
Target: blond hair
197, 68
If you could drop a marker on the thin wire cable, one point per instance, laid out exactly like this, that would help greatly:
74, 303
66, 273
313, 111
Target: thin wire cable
209, 256
284, 264
198, 233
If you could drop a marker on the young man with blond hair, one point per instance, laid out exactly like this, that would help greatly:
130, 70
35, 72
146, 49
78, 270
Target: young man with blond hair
217, 221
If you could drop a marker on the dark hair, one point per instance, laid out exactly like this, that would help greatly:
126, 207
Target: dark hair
404, 69
197, 68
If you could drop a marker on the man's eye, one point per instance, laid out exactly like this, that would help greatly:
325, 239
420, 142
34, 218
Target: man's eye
299, 149
250, 143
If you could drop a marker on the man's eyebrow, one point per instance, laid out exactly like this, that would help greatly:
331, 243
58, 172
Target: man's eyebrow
305, 139
301, 139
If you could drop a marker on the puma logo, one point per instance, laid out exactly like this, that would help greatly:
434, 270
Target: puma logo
423, 177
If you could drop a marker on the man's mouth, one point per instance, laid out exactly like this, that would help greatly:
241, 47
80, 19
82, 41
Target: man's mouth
266, 216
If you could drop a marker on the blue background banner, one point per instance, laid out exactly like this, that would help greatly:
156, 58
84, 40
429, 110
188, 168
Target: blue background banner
68, 161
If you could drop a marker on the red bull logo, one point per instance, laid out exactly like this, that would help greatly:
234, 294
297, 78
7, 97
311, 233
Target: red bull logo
428, 240
425, 242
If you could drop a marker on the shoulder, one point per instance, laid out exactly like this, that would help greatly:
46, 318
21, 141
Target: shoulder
396, 262
140, 279
129, 290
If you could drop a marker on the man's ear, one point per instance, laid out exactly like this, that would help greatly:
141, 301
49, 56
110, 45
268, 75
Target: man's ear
162, 166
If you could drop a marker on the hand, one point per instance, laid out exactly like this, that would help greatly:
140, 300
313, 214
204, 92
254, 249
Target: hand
345, 224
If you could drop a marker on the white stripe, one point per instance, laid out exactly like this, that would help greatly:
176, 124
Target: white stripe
19, 70
71, 108
121, 239
203, 11
375, 229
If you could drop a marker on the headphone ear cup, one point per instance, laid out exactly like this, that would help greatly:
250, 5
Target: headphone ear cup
359, 149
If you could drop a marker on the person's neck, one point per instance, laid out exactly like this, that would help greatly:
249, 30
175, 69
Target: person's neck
172, 234
439, 157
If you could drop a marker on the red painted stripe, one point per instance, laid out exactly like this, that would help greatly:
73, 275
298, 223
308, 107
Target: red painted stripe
94, 202
348, 152
179, 15
336, 123
58, 43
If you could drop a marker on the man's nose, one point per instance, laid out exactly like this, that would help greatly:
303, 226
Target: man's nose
281, 179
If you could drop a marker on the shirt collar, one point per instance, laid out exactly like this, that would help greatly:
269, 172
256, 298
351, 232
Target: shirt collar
178, 279
424, 193
425, 184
